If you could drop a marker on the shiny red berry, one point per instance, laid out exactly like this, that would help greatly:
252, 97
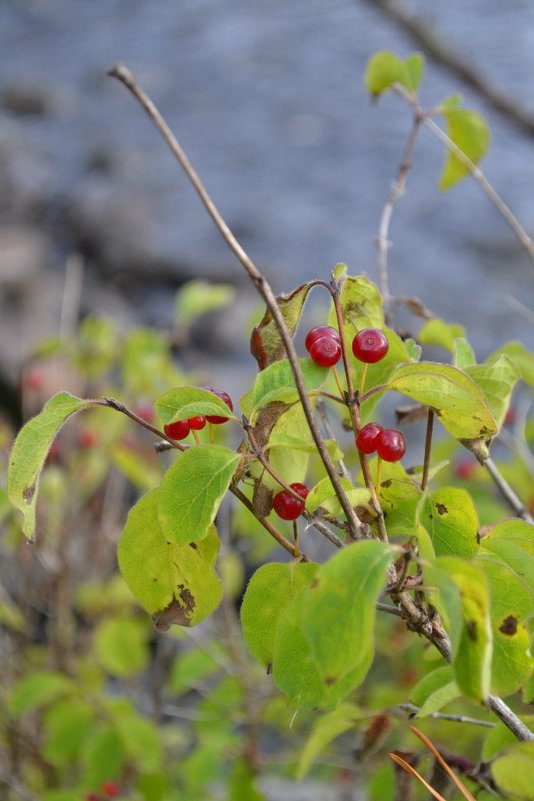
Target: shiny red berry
286, 505
198, 423
178, 430
146, 412
367, 437
216, 419
370, 345
325, 351
464, 468
390, 445
318, 332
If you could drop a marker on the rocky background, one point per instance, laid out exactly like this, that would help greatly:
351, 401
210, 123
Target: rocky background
267, 99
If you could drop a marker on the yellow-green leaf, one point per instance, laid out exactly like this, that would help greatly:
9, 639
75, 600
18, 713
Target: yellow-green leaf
514, 772
438, 332
470, 132
181, 403
451, 520
385, 69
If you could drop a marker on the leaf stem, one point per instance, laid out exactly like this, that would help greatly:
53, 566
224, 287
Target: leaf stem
507, 492
267, 525
428, 446
111, 403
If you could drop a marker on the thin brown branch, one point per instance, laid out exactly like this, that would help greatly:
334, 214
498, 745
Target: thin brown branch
413, 710
111, 403
397, 191
267, 525
428, 446
123, 74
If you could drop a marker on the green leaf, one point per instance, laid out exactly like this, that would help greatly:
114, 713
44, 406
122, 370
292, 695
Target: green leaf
325, 729
175, 583
469, 131
269, 592
459, 403
287, 442
444, 593
37, 690
323, 496
29, 453
242, 783
277, 383
521, 357
497, 380
385, 69
65, 727
379, 373
361, 306
121, 646
184, 402
512, 601
450, 518
399, 497
294, 670
434, 691
290, 463
196, 298
514, 772
102, 755
472, 660
153, 786
463, 355
191, 492
265, 342
438, 332
338, 610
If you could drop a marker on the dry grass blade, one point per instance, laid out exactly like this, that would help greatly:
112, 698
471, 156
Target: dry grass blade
412, 771
432, 748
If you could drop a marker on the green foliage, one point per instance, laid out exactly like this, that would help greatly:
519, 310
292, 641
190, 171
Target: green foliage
196, 298
385, 69
469, 131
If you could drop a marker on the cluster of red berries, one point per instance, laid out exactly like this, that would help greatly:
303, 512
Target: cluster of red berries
286, 505
323, 343
388, 443
181, 428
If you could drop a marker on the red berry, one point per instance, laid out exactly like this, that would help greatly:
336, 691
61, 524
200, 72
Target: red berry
319, 332
286, 505
34, 379
91, 797
511, 416
111, 789
325, 351
178, 430
390, 445
215, 419
370, 345
198, 423
366, 440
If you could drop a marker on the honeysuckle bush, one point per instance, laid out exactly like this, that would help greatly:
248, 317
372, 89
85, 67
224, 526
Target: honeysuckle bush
421, 602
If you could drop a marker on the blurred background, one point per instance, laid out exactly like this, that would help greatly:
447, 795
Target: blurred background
268, 101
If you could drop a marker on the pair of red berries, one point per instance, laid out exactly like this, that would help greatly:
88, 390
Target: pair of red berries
181, 428
388, 443
323, 343
286, 505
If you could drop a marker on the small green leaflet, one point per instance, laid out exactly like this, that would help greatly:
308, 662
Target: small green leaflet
500, 737
184, 402
265, 342
121, 645
459, 403
450, 518
385, 69
29, 453
470, 132
521, 357
438, 332
37, 690
175, 583
323, 495
191, 491
434, 691
338, 609
462, 354
269, 592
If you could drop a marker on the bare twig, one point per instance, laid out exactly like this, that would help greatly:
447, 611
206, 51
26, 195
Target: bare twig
507, 492
413, 710
124, 75
111, 403
397, 191
267, 525
428, 445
